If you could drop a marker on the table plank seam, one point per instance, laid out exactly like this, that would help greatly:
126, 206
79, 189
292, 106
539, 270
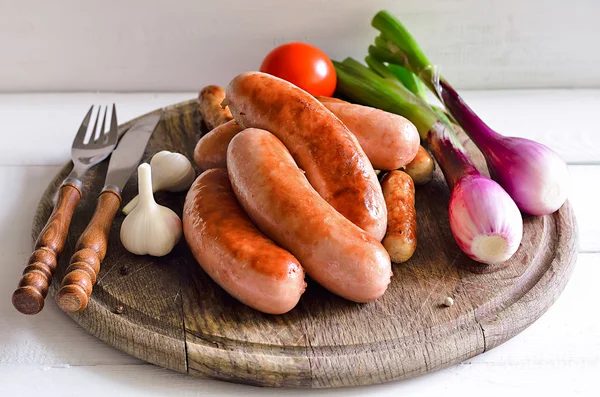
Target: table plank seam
67, 366
593, 163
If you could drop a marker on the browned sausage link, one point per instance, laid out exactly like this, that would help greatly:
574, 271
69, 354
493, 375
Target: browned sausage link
400, 241
209, 105
389, 140
211, 149
323, 147
233, 252
421, 168
328, 99
278, 198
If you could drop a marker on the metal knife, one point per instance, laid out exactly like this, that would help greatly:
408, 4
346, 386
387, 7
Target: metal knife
91, 247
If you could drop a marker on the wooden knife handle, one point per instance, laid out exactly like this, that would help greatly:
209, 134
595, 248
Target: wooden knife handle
91, 247
29, 297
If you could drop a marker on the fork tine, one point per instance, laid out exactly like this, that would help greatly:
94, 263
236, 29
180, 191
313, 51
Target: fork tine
80, 137
94, 133
102, 135
114, 128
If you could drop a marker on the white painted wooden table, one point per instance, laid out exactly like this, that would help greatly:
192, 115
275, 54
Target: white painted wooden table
49, 355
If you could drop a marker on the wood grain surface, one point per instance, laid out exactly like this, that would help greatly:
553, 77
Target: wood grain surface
169, 312
37, 276
81, 275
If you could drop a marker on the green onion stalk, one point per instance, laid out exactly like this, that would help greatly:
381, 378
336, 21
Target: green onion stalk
408, 79
535, 176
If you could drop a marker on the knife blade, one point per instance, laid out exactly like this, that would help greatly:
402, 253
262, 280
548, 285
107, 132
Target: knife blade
91, 247
126, 157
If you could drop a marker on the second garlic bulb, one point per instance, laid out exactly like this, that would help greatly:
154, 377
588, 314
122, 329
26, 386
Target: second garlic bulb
172, 172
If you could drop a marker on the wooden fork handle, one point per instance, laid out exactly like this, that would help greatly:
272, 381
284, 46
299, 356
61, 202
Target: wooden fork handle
29, 297
90, 250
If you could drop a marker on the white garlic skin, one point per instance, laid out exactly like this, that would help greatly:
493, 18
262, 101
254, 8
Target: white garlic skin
172, 172
150, 229
151, 232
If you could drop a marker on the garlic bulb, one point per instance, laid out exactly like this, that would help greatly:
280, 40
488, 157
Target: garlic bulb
172, 172
149, 228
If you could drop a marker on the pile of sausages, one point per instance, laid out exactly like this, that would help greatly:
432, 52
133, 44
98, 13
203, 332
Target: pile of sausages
289, 185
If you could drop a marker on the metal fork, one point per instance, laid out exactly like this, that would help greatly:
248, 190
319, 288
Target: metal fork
29, 297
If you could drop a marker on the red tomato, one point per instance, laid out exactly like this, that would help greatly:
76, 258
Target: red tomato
303, 65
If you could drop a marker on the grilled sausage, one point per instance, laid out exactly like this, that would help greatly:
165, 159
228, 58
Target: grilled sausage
323, 147
239, 258
421, 168
278, 198
389, 140
209, 105
400, 241
211, 149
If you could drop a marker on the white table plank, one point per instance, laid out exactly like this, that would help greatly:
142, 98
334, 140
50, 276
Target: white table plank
490, 380
584, 197
39, 128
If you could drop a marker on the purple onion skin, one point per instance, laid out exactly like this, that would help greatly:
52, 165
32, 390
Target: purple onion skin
450, 155
484, 219
534, 175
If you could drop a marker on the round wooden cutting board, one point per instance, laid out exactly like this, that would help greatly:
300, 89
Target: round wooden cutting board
167, 311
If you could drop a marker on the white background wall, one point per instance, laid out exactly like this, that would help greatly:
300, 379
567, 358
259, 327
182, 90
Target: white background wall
180, 45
